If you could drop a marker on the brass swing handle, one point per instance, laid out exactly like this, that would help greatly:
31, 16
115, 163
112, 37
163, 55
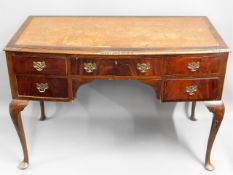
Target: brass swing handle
191, 90
89, 67
143, 67
39, 65
193, 66
42, 87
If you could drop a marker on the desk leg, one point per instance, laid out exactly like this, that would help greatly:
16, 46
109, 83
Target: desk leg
217, 108
15, 107
193, 118
42, 113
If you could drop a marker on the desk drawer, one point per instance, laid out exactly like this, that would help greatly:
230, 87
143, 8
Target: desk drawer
42, 87
117, 67
185, 90
39, 65
192, 65
139, 67
93, 67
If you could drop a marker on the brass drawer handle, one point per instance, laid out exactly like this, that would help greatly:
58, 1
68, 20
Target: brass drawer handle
143, 67
42, 87
191, 90
39, 65
89, 67
193, 66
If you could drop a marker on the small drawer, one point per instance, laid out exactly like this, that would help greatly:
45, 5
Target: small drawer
192, 65
117, 67
187, 90
42, 87
39, 65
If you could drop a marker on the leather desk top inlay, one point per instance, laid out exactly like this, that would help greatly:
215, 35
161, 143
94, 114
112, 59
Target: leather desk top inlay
148, 35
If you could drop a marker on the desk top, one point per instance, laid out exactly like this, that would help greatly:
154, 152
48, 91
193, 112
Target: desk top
117, 35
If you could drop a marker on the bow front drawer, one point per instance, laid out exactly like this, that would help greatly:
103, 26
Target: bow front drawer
42, 87
139, 67
117, 67
39, 65
193, 65
187, 89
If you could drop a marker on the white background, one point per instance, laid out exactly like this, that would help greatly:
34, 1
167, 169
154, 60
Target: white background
115, 127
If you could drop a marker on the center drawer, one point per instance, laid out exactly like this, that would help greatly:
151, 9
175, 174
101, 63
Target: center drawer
42, 87
117, 67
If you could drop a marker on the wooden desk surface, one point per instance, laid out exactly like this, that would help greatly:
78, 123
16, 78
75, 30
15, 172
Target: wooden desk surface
117, 35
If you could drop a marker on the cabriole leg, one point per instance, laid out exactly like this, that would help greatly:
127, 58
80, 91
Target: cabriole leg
217, 108
15, 107
193, 118
42, 113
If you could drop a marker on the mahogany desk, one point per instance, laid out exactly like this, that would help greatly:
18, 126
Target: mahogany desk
181, 58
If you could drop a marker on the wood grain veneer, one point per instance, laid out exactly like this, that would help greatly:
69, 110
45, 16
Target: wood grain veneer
180, 58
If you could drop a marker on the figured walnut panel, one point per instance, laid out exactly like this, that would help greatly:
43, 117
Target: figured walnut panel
203, 65
53, 66
175, 90
117, 67
132, 67
57, 88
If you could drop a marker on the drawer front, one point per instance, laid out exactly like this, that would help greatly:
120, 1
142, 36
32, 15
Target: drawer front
139, 67
39, 65
192, 65
93, 67
117, 67
186, 90
42, 87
